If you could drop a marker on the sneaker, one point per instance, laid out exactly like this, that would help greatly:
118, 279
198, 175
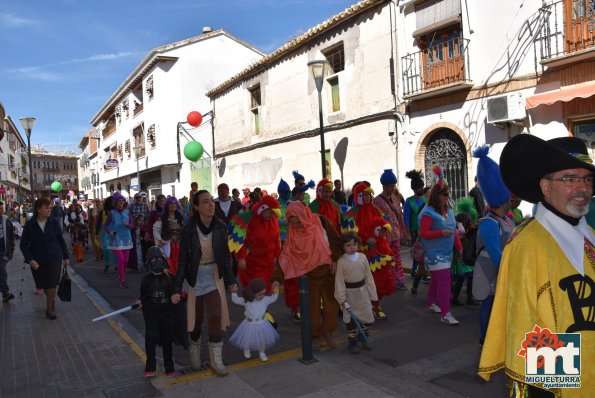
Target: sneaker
6, 298
124, 285
170, 374
413, 291
449, 320
434, 308
247, 354
149, 374
263, 357
295, 315
379, 314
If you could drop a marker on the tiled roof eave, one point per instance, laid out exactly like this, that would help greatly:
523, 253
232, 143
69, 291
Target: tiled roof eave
296, 43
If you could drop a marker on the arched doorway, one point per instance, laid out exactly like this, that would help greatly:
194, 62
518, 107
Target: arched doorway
447, 149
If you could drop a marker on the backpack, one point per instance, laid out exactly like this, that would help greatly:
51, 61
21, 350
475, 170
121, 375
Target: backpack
470, 247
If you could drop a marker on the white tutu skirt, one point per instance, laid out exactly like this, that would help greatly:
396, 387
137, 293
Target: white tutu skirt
254, 336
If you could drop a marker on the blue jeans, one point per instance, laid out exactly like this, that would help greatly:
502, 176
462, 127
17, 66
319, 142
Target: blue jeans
484, 316
3, 277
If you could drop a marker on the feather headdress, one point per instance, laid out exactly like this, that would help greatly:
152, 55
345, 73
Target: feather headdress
440, 180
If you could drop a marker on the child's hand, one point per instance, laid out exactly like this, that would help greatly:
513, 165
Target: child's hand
275, 286
233, 288
175, 298
138, 302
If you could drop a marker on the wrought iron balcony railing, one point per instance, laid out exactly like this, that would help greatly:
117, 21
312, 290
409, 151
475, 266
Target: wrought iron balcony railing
437, 66
568, 28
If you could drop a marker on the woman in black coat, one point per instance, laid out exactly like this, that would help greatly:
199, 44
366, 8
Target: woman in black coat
44, 249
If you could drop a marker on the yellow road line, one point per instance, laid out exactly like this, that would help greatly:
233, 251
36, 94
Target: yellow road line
251, 363
116, 326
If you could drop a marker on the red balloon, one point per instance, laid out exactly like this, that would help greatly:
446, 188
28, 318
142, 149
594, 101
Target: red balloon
194, 118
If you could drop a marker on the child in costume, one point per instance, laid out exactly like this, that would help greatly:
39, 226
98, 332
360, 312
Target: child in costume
355, 290
159, 313
462, 266
382, 259
255, 333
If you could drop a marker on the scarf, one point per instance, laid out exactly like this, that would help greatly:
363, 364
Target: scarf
205, 230
305, 248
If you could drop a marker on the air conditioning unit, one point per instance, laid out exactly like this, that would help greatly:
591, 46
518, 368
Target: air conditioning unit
506, 107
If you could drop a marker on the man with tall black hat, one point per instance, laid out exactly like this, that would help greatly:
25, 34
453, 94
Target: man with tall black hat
546, 279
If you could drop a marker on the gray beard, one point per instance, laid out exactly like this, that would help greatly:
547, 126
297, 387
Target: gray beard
577, 211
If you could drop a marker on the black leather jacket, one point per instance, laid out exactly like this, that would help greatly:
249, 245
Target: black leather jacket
190, 254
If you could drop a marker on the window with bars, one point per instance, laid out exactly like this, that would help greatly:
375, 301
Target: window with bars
335, 55
139, 138
127, 148
151, 136
149, 87
335, 95
255, 103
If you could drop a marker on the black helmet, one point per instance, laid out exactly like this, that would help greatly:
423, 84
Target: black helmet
156, 260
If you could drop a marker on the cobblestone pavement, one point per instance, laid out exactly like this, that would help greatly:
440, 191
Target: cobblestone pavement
66, 357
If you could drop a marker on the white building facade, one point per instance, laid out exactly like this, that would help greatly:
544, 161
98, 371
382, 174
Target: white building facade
143, 116
474, 73
14, 162
412, 83
267, 117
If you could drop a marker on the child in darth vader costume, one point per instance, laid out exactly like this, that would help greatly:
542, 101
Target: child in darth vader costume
164, 321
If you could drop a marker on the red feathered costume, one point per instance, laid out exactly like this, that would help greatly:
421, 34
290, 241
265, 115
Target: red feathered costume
328, 208
262, 245
381, 258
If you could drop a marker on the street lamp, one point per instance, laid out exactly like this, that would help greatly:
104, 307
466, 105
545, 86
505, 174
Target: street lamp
318, 68
137, 151
28, 123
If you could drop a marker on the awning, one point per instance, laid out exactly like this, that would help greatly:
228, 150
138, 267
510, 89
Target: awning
564, 95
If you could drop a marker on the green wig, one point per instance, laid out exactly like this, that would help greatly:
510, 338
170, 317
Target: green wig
465, 206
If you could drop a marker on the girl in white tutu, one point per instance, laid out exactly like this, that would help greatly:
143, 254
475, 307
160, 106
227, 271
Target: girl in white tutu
255, 333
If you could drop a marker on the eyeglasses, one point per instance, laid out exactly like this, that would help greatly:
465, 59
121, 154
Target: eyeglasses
570, 181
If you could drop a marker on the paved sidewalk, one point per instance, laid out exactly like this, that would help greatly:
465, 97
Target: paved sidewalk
66, 357
413, 355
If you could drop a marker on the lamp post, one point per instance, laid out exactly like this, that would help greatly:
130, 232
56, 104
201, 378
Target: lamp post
318, 68
28, 123
137, 151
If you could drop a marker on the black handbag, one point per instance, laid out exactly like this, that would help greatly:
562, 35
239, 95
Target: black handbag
65, 286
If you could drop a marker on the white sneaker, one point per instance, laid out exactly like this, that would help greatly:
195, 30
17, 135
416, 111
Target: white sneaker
247, 354
263, 356
449, 320
434, 308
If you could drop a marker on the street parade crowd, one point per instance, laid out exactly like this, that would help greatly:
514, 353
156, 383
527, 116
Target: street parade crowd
257, 245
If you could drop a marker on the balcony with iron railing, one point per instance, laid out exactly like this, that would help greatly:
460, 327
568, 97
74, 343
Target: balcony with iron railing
567, 32
137, 109
437, 69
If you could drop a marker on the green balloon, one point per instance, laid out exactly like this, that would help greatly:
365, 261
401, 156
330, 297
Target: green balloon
193, 151
56, 186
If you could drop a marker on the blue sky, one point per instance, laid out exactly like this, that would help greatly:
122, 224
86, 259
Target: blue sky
62, 59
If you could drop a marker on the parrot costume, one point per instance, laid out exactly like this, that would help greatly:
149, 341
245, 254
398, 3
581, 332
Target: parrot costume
256, 240
381, 258
328, 208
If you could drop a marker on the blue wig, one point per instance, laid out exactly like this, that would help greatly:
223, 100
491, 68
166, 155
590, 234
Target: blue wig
489, 179
284, 190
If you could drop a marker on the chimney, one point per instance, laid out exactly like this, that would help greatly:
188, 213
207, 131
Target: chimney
206, 29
